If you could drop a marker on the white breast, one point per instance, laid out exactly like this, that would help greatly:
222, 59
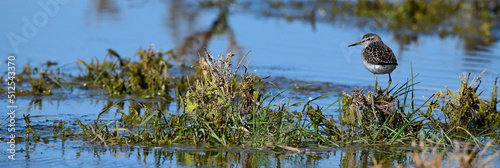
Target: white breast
379, 69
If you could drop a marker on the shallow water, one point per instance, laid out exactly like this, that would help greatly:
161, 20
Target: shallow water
300, 49
76, 153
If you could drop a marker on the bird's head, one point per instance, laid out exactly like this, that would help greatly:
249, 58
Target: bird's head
367, 39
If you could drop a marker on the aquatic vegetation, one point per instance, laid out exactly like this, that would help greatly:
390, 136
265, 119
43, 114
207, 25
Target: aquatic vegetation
217, 104
147, 78
226, 105
379, 118
41, 80
29, 129
219, 107
221, 104
465, 112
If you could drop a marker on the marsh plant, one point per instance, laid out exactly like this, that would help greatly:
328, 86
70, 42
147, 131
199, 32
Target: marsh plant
147, 78
222, 103
464, 112
38, 81
219, 106
379, 118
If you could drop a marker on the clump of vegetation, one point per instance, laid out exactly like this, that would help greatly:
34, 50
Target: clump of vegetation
218, 102
29, 129
465, 113
465, 108
147, 78
41, 81
219, 107
378, 118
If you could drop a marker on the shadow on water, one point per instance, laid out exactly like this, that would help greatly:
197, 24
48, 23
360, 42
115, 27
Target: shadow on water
196, 42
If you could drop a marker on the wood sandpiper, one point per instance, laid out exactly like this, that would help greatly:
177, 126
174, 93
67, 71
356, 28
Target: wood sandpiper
377, 57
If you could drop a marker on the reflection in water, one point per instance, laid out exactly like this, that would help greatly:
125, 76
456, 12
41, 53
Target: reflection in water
405, 19
106, 9
474, 59
472, 22
75, 153
208, 157
35, 103
196, 41
181, 21
476, 43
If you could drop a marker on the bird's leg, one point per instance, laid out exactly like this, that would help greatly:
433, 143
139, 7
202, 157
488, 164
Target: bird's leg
375, 89
390, 81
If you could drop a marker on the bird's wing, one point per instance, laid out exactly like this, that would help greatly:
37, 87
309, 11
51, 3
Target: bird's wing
382, 55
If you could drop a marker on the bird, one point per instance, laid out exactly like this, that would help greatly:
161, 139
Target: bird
377, 57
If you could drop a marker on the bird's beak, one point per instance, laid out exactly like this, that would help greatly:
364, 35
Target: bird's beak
353, 44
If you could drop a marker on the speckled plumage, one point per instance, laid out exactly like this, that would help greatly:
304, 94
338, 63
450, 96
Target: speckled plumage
379, 54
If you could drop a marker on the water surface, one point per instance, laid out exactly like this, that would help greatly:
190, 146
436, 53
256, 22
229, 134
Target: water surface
287, 48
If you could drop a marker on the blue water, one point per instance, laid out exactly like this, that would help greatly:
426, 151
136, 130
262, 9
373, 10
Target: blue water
280, 48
